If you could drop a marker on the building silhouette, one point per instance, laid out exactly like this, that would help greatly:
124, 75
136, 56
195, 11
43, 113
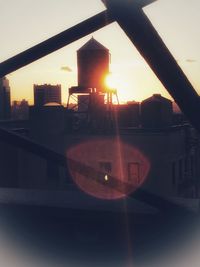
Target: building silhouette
5, 108
156, 112
128, 114
47, 93
20, 110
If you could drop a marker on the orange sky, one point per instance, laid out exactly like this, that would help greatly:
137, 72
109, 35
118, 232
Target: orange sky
175, 21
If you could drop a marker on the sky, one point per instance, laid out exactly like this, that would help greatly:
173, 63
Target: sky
24, 23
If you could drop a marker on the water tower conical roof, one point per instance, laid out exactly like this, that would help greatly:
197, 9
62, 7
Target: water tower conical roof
93, 44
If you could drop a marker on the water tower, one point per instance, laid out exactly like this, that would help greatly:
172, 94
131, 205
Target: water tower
91, 98
93, 65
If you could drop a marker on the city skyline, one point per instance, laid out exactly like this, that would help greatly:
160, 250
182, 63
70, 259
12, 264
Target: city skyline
127, 66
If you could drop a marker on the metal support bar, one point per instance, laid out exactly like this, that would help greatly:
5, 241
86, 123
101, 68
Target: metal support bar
50, 155
143, 35
30, 146
60, 40
136, 3
54, 43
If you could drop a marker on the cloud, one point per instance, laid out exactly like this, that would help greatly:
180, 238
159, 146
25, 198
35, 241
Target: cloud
189, 60
66, 68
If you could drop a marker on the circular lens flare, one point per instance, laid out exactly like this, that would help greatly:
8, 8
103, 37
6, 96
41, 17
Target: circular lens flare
107, 168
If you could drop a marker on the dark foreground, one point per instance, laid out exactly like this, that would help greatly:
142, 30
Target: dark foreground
96, 238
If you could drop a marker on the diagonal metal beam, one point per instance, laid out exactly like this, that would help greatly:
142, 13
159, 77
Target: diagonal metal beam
54, 43
142, 3
30, 146
60, 40
136, 3
162, 204
156, 201
143, 35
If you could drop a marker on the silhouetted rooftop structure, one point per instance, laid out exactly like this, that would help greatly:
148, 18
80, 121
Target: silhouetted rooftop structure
47, 93
156, 112
93, 44
157, 98
52, 104
5, 107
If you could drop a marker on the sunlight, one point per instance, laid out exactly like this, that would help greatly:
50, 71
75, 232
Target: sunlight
110, 81
118, 82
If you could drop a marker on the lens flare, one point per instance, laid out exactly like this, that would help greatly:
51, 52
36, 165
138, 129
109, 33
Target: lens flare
100, 169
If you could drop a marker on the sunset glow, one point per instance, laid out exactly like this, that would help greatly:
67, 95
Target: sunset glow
110, 81
114, 81
132, 77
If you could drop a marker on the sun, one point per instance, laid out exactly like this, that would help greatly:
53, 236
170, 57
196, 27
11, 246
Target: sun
117, 82
110, 81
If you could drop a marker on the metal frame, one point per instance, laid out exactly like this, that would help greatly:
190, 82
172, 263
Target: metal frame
130, 16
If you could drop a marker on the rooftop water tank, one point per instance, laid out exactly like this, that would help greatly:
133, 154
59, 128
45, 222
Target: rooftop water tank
93, 65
